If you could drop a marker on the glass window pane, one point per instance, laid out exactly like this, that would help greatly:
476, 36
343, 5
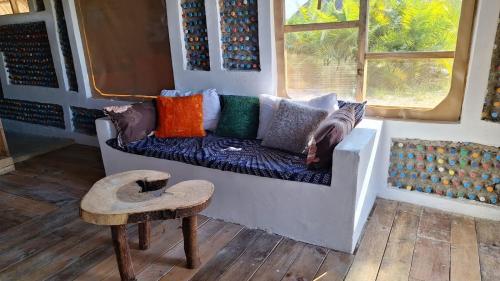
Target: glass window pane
306, 11
408, 83
321, 61
413, 25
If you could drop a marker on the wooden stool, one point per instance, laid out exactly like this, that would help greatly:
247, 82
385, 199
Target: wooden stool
140, 197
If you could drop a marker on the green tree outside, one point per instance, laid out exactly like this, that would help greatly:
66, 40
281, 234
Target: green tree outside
394, 25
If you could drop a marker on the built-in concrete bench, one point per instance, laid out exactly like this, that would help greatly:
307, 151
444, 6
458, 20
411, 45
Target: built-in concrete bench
327, 215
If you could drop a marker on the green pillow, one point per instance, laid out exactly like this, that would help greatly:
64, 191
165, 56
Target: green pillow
239, 117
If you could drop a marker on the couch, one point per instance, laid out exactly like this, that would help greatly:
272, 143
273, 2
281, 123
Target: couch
330, 210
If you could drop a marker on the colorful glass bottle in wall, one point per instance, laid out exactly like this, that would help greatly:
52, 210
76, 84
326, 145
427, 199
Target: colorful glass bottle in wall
449, 169
240, 34
194, 24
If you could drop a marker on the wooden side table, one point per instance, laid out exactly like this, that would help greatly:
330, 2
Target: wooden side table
139, 197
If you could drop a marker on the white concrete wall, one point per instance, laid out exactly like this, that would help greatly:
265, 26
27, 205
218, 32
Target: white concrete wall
470, 128
236, 82
59, 95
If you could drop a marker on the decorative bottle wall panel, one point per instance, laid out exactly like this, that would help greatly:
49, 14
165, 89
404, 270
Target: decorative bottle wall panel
65, 45
45, 114
27, 54
195, 34
240, 34
452, 169
491, 109
83, 119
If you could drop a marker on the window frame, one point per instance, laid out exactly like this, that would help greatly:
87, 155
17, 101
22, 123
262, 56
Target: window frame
449, 109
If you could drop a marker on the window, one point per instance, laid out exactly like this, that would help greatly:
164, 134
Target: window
407, 58
9, 7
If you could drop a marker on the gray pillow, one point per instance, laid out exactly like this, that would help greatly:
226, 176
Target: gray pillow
292, 126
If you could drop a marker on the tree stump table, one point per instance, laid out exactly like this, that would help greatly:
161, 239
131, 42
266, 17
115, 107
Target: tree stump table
140, 197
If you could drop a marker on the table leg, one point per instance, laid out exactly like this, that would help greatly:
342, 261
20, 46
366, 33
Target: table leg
144, 235
189, 225
122, 252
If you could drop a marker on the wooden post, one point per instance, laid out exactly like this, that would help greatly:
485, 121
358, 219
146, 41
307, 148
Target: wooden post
362, 48
189, 225
144, 235
122, 252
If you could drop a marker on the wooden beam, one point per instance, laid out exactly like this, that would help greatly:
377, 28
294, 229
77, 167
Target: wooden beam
15, 7
320, 26
411, 55
362, 49
279, 19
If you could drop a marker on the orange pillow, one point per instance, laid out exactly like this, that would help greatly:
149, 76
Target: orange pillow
180, 117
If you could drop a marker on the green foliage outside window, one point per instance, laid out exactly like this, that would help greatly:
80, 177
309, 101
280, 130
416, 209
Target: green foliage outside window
394, 26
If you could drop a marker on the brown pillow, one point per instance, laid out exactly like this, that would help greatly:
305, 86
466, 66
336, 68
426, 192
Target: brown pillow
132, 122
328, 135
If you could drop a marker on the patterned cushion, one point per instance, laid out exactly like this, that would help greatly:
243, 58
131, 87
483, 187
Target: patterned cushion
132, 122
328, 135
269, 104
359, 109
180, 117
229, 154
239, 117
292, 126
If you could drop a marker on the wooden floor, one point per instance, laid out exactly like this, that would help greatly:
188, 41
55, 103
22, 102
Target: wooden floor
42, 238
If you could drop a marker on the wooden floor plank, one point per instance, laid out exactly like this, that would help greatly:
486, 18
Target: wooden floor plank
159, 246
371, 249
396, 262
335, 267
38, 227
36, 189
35, 245
307, 263
435, 225
84, 263
489, 257
216, 267
488, 234
431, 260
36, 267
207, 251
280, 260
24, 206
176, 257
164, 236
464, 251
246, 265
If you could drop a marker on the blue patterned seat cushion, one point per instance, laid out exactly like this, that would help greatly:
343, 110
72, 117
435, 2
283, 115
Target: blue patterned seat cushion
230, 154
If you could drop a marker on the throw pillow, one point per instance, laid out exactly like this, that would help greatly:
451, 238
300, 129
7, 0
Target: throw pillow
292, 126
239, 117
269, 104
359, 109
180, 117
328, 135
132, 122
211, 105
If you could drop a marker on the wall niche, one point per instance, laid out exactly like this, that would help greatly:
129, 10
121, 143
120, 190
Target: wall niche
240, 34
450, 169
491, 109
28, 58
194, 22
